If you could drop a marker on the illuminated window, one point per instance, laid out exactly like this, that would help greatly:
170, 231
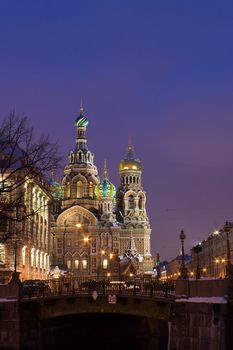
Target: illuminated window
48, 261
105, 264
45, 258
76, 263
24, 255
91, 190
2, 254
68, 263
37, 258
32, 256
79, 189
41, 260
84, 264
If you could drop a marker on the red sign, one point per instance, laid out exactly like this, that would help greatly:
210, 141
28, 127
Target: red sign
112, 298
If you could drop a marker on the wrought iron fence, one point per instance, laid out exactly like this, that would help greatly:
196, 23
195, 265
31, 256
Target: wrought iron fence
108, 285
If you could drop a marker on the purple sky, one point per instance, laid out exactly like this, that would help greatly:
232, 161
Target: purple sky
161, 71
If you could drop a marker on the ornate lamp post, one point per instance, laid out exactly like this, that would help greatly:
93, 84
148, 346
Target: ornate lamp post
64, 245
229, 267
158, 267
197, 249
183, 269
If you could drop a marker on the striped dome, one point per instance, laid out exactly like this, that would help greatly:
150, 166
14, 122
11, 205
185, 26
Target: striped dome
105, 189
81, 121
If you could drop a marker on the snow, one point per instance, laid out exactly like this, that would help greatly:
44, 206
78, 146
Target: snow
211, 300
9, 299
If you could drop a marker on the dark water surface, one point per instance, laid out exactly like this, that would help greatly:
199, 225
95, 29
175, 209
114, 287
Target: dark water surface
104, 331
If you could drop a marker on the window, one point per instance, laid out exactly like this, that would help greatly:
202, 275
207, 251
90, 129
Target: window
131, 202
32, 256
79, 189
68, 263
76, 263
2, 254
84, 264
91, 190
37, 258
105, 264
24, 255
140, 203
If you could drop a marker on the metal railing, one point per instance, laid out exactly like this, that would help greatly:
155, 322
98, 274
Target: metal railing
127, 286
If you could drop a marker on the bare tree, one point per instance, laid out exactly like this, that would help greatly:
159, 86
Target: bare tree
24, 157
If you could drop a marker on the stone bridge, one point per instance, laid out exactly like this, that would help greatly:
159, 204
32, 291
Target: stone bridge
197, 316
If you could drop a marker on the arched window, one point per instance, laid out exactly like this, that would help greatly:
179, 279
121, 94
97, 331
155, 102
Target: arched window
91, 189
79, 189
76, 264
68, 263
131, 203
140, 202
84, 264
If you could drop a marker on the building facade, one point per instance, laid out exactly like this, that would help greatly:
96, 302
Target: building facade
214, 253
96, 223
25, 241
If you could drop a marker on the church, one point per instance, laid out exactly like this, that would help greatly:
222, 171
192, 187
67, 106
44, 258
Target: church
98, 230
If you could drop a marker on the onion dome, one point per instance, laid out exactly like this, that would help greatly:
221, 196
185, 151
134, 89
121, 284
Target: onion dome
81, 121
130, 162
55, 189
105, 189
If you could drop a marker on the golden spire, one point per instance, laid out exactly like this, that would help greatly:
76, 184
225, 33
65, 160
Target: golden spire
130, 148
130, 142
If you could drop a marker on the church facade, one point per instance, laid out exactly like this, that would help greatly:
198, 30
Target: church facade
95, 225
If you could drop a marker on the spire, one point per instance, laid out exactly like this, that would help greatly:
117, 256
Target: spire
130, 153
105, 176
81, 108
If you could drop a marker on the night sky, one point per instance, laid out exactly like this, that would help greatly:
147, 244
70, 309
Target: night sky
160, 71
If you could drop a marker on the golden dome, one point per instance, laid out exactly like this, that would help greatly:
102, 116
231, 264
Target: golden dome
130, 164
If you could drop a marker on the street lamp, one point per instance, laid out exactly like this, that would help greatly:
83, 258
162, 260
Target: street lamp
158, 270
197, 249
183, 269
229, 267
64, 244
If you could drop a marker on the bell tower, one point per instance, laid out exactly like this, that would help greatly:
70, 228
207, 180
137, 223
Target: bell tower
131, 199
131, 205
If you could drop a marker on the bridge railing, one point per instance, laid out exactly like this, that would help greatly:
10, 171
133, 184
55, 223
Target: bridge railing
108, 285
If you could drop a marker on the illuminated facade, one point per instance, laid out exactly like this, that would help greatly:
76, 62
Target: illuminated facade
25, 233
96, 223
213, 256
